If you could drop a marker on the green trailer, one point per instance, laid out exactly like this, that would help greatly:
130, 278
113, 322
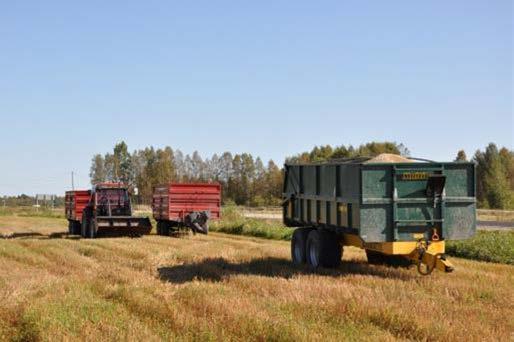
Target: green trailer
400, 213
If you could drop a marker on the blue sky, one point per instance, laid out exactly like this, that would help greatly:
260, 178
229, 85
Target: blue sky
272, 78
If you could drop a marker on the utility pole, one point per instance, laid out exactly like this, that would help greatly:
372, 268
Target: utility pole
72, 181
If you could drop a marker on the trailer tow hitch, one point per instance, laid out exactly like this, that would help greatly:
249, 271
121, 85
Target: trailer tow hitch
197, 221
427, 261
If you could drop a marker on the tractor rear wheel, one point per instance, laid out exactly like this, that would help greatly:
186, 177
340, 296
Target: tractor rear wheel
74, 228
84, 227
92, 229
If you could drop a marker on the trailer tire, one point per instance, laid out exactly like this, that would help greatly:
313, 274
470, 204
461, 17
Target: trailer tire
323, 249
299, 245
165, 229
71, 227
162, 228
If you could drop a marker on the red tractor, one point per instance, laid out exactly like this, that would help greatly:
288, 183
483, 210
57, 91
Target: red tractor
106, 212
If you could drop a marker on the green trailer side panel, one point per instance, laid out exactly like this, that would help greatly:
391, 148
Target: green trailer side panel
384, 202
309, 180
349, 183
328, 180
375, 223
292, 184
460, 221
459, 180
376, 183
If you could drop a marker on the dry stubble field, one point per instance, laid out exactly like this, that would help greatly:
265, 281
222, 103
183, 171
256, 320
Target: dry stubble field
229, 287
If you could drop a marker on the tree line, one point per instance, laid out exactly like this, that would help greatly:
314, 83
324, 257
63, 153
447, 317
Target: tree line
24, 200
246, 180
495, 176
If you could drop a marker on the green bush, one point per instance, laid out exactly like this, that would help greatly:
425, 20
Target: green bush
233, 222
494, 246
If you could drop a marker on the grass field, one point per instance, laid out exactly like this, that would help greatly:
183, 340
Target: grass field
231, 287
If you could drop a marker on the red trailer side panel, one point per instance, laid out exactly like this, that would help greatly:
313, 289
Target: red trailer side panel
172, 202
75, 202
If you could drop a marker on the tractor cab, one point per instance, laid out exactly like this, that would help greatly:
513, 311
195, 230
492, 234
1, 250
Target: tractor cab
111, 199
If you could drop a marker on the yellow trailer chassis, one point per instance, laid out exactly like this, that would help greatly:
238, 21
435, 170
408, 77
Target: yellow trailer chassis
427, 255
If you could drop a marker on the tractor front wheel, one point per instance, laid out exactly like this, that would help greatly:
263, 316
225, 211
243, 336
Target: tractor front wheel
85, 225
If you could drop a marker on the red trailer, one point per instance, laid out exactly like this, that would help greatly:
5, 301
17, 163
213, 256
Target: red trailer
75, 202
177, 205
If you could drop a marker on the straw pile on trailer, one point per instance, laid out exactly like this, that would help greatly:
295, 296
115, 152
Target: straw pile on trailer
388, 158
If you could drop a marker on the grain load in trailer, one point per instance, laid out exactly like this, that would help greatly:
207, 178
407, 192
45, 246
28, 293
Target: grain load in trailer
400, 211
186, 205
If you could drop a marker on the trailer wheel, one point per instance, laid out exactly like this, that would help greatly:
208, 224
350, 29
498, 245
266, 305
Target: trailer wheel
323, 249
162, 228
165, 229
71, 227
299, 245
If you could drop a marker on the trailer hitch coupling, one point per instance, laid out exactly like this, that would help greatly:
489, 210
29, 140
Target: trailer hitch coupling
428, 260
197, 221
